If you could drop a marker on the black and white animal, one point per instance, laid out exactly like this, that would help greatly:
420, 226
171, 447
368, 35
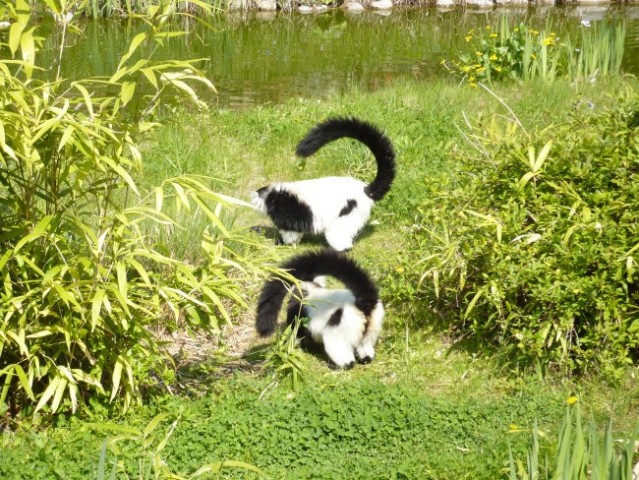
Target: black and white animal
338, 207
346, 322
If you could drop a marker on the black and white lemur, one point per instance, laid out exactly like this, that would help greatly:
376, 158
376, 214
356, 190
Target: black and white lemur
347, 322
338, 207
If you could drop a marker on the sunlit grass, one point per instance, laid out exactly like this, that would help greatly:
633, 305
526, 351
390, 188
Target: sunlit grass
462, 401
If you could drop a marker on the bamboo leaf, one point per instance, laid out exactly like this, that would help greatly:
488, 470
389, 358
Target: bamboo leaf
66, 136
123, 174
42, 225
6, 148
96, 306
48, 392
116, 377
141, 271
184, 199
133, 46
15, 34
88, 103
27, 47
216, 300
24, 381
24, 240
8, 376
159, 198
472, 303
122, 279
59, 393
525, 179
541, 158
73, 395
121, 300
127, 90
154, 423
149, 73
7, 255
51, 123
20, 339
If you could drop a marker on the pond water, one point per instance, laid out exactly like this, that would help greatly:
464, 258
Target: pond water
253, 58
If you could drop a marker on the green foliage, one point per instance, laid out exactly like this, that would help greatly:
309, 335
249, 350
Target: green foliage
285, 359
84, 277
357, 427
524, 53
577, 454
146, 448
532, 247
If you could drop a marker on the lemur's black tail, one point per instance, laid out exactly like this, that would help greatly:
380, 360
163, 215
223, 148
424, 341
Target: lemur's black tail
306, 267
369, 135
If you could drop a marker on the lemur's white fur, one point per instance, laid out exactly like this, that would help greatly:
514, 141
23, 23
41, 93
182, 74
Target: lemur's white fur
347, 322
355, 336
327, 197
337, 207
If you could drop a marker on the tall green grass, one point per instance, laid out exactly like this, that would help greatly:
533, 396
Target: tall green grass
577, 453
596, 52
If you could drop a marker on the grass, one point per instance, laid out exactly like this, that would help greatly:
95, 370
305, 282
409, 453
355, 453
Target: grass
426, 408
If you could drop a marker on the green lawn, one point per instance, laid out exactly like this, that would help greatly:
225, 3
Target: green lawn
426, 408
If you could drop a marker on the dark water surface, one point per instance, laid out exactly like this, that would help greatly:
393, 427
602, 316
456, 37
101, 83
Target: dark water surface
254, 58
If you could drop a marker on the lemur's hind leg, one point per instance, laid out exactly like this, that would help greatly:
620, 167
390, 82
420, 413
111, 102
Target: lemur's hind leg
366, 348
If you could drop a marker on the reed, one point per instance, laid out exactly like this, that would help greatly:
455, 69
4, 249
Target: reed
580, 453
523, 53
598, 51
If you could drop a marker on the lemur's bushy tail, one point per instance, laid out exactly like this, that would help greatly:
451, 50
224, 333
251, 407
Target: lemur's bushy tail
306, 267
369, 135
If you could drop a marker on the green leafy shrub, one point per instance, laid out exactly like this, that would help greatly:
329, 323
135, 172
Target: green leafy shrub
532, 247
524, 53
84, 277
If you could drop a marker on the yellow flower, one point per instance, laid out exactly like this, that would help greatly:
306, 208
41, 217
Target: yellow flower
533, 56
535, 32
549, 41
497, 69
493, 57
479, 54
571, 400
512, 426
493, 35
399, 269
468, 38
488, 27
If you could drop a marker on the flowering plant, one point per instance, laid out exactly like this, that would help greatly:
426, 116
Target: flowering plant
502, 53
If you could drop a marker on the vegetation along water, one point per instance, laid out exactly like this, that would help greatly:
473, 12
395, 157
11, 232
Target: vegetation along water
504, 253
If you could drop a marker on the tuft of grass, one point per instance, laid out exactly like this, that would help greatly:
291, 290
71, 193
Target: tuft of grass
577, 453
